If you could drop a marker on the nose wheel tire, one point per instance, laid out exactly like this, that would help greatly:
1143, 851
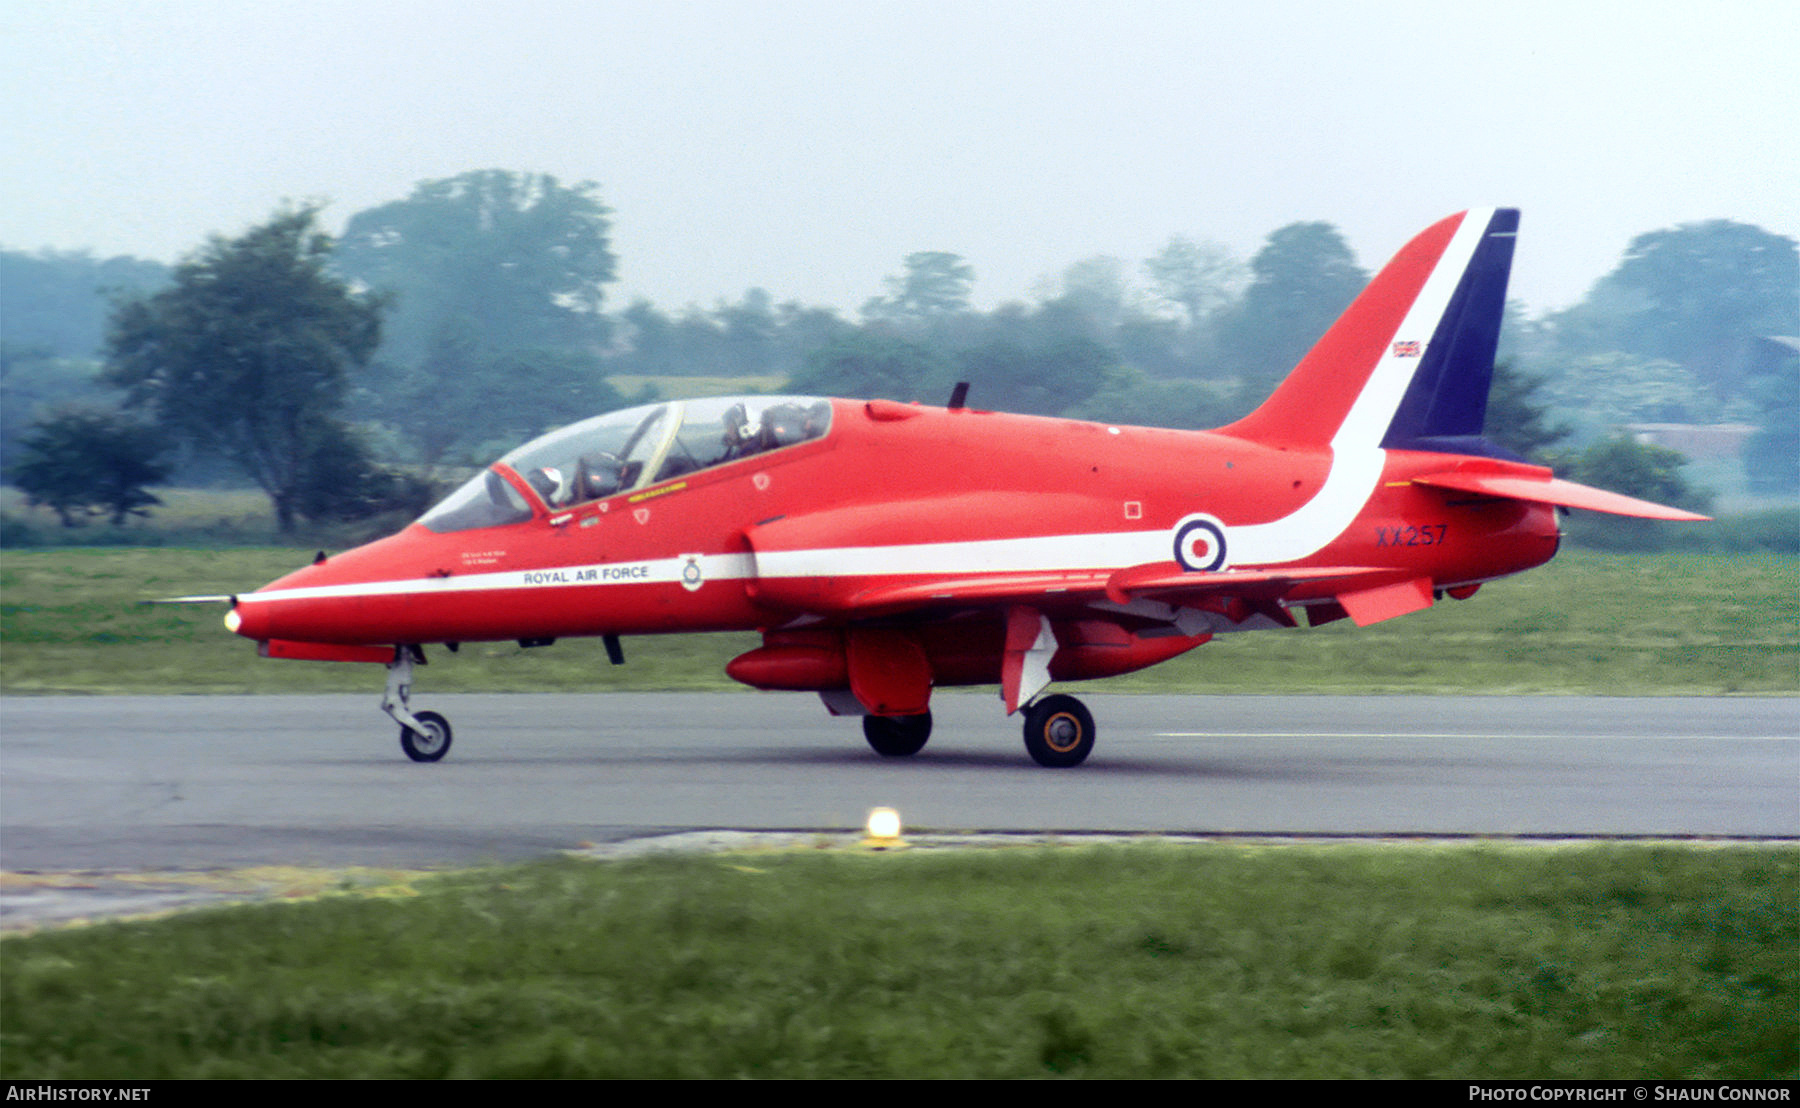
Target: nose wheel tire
429, 744
1059, 732
897, 736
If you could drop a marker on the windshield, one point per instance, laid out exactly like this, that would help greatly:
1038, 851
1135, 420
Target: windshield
628, 449
487, 500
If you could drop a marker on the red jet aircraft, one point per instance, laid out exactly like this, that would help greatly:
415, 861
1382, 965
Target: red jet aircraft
886, 549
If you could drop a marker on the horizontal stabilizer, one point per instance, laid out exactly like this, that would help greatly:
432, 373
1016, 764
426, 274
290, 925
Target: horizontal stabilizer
1538, 486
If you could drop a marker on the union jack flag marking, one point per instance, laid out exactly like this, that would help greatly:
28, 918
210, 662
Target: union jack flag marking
1406, 349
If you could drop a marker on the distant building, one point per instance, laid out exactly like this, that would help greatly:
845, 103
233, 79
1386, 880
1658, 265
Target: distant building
1771, 355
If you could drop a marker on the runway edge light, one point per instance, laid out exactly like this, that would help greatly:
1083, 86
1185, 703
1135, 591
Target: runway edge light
882, 830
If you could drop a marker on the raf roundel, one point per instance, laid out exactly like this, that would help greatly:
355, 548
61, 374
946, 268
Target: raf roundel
1200, 543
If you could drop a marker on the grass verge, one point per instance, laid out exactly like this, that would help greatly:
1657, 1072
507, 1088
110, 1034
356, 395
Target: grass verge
1136, 960
72, 621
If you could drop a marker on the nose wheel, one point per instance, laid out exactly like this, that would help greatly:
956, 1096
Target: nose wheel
1059, 732
430, 741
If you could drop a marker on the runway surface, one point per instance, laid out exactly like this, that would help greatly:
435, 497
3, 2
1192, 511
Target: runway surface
126, 783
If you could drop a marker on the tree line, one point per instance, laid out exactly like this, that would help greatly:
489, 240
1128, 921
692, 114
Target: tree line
339, 375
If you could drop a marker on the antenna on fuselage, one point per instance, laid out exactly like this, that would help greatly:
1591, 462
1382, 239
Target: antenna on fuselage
958, 394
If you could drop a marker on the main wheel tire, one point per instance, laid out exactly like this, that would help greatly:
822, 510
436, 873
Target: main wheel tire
897, 736
430, 744
1059, 732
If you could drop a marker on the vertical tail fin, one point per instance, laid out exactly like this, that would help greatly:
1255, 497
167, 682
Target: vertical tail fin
1409, 363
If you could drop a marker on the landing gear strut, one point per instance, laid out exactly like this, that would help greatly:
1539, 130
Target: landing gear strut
1059, 732
424, 736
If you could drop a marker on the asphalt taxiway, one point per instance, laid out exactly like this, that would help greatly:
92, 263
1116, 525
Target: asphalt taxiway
189, 782
115, 805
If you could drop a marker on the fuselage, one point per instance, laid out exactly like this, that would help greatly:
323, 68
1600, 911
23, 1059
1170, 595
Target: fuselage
892, 494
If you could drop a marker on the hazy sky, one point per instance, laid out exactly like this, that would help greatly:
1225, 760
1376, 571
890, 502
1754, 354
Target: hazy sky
807, 147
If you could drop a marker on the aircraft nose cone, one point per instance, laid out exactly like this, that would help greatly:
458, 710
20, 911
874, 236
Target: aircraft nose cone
247, 620
253, 614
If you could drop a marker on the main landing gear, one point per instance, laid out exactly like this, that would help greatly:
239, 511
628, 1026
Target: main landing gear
425, 736
897, 736
1059, 732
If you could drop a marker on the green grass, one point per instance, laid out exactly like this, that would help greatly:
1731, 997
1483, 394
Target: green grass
72, 621
1589, 622
1147, 960
188, 517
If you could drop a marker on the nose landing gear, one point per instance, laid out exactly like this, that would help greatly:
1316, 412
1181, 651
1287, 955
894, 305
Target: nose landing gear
425, 736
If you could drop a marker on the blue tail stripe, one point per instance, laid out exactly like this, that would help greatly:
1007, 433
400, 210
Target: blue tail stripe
1448, 396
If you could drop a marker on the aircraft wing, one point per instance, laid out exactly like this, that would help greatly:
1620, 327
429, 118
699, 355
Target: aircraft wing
1159, 591
982, 590
1173, 583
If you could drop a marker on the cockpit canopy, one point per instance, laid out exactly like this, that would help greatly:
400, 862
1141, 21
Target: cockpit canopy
625, 450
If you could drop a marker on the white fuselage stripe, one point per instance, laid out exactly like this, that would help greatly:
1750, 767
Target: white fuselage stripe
595, 575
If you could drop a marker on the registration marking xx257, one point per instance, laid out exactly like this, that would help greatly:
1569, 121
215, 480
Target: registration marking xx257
1427, 534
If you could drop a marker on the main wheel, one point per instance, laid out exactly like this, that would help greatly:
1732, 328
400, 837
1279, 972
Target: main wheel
430, 744
1059, 732
897, 736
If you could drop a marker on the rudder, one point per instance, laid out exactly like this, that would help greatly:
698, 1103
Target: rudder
1445, 406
